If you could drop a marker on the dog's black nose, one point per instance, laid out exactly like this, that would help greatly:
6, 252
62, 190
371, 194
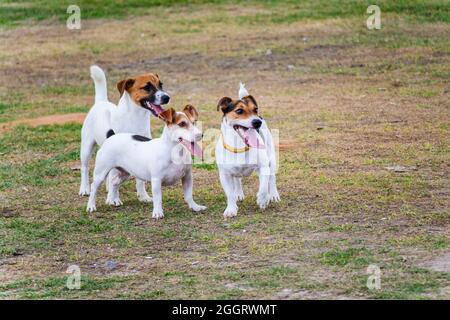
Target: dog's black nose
256, 123
165, 99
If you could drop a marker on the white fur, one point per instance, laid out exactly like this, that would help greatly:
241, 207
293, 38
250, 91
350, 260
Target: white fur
103, 116
149, 161
234, 166
242, 91
99, 78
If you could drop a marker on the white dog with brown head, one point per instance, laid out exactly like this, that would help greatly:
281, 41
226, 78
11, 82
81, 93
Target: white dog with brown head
140, 97
246, 145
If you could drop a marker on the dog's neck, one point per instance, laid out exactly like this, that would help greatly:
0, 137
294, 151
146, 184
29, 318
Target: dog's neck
165, 137
127, 105
128, 117
168, 145
230, 136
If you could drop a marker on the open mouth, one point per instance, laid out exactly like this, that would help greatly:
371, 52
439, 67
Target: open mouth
250, 136
156, 109
192, 147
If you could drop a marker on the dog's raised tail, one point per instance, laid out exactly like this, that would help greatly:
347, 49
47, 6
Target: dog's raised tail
99, 78
242, 91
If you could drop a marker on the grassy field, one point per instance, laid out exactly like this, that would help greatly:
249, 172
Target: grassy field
349, 103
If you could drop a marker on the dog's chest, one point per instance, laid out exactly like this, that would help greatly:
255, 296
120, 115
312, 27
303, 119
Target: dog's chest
241, 170
174, 173
132, 122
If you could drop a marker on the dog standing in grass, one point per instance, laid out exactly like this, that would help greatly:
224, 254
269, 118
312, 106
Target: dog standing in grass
246, 145
161, 161
140, 97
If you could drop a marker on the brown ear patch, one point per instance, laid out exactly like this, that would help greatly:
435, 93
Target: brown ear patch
125, 84
191, 112
168, 116
225, 104
250, 99
240, 110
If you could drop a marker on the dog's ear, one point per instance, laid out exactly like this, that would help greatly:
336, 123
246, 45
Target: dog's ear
248, 99
125, 84
168, 116
224, 104
190, 111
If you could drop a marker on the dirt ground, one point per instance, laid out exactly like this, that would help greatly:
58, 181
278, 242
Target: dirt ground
350, 104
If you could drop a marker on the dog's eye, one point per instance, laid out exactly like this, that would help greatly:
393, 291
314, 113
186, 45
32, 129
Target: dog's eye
182, 124
256, 110
148, 87
239, 111
160, 85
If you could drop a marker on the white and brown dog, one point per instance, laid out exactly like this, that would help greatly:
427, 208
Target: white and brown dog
140, 97
245, 145
161, 161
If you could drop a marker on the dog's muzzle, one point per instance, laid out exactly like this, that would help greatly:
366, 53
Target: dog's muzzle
165, 99
256, 123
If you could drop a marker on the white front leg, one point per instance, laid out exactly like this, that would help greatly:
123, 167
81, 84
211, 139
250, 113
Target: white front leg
262, 198
141, 193
157, 199
187, 188
238, 189
273, 191
227, 182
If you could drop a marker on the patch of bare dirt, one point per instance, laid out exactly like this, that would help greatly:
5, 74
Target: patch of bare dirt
7, 213
441, 263
53, 119
289, 294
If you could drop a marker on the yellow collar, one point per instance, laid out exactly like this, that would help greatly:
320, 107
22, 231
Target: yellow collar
232, 149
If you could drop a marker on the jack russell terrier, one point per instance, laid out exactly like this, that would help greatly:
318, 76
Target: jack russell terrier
158, 160
140, 97
245, 145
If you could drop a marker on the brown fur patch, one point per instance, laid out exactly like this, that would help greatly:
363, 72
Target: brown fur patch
168, 116
250, 100
135, 86
191, 112
181, 118
238, 109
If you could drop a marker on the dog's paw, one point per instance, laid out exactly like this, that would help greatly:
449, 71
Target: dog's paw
144, 198
262, 199
114, 202
157, 214
274, 196
84, 190
230, 212
197, 207
91, 208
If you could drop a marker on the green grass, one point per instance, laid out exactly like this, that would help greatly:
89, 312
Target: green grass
415, 288
341, 258
206, 166
54, 144
23, 235
13, 13
66, 90
53, 287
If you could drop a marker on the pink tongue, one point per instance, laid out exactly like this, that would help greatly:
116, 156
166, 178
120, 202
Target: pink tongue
157, 108
193, 148
251, 138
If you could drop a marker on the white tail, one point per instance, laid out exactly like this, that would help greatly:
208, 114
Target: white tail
99, 78
242, 91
